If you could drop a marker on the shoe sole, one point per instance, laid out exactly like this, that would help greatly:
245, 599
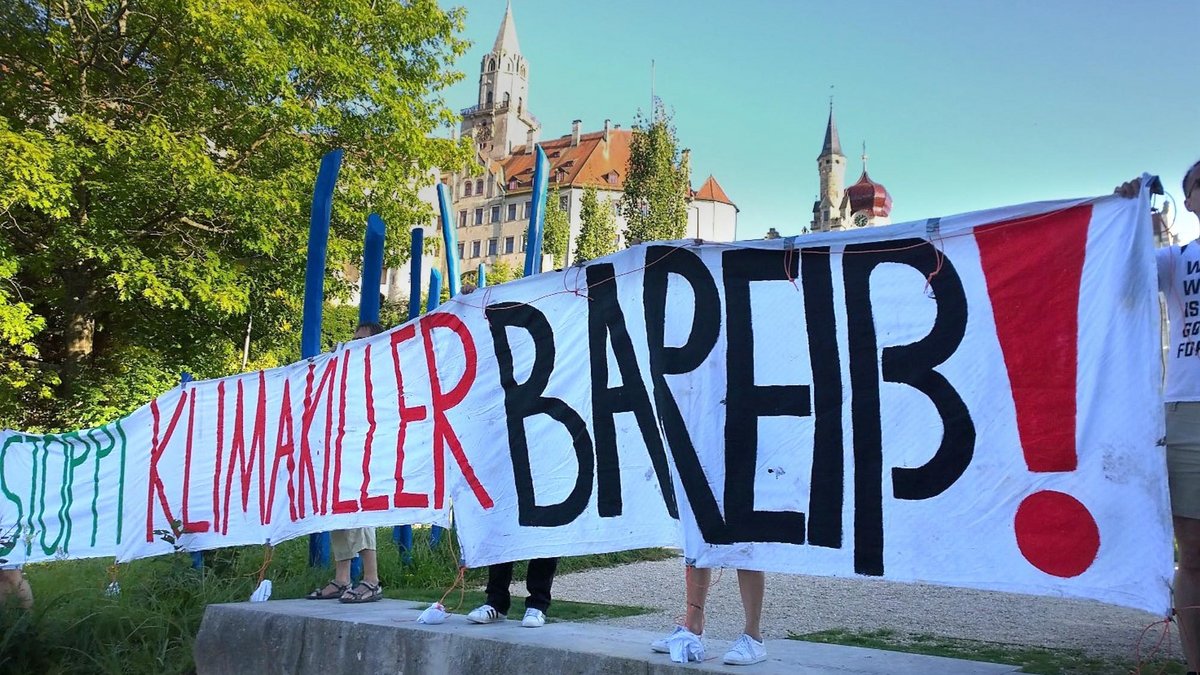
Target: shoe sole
659, 650
483, 621
736, 662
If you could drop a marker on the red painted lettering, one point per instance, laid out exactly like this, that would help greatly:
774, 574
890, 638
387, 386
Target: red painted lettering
156, 451
341, 505
311, 401
378, 502
190, 525
443, 433
258, 449
284, 448
407, 414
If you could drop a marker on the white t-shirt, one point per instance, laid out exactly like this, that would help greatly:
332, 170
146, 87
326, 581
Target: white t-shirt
1179, 282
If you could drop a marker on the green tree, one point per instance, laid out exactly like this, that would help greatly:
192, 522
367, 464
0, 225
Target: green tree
556, 231
156, 163
597, 229
656, 183
502, 271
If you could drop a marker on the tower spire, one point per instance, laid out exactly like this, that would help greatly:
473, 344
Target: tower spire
506, 38
833, 144
864, 158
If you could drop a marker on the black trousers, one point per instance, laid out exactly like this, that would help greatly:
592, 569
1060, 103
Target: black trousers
537, 581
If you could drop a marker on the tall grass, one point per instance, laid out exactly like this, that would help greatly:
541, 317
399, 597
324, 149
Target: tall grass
75, 627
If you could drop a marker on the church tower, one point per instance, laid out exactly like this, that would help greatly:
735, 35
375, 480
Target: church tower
501, 119
831, 165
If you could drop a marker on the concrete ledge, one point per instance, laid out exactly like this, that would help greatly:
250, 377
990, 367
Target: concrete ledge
322, 637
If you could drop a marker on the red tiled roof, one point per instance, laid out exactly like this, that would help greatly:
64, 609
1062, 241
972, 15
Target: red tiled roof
588, 163
711, 192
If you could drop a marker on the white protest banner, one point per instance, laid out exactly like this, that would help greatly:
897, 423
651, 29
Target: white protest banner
972, 401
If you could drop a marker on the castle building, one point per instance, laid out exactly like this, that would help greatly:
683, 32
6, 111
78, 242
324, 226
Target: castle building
492, 199
837, 207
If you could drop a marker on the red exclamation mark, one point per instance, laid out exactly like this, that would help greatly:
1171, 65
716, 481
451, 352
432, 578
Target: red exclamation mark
1033, 268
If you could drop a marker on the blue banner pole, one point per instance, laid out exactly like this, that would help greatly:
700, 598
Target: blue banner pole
372, 270
450, 237
314, 295
414, 277
481, 276
537, 214
435, 290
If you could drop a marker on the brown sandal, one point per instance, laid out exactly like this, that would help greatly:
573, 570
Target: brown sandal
322, 594
362, 592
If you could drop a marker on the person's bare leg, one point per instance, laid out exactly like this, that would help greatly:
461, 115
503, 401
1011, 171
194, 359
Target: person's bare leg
1187, 588
697, 581
341, 572
370, 562
752, 585
14, 587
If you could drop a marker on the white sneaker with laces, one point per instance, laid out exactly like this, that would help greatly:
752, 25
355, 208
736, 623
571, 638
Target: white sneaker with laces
485, 614
534, 618
745, 651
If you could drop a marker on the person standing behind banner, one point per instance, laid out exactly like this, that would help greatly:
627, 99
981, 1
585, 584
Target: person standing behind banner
538, 581
686, 643
358, 541
1182, 398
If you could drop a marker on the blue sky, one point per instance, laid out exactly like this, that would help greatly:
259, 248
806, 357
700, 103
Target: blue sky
963, 104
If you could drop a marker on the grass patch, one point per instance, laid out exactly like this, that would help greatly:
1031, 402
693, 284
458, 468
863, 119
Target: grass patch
150, 627
1039, 660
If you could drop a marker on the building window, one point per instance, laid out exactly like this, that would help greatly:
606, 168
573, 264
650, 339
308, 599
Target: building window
564, 202
475, 249
467, 189
462, 218
492, 244
479, 186
478, 216
508, 244
462, 250
512, 212
528, 205
522, 243
495, 214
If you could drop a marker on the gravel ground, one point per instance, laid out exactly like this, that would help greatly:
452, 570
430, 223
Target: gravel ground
805, 604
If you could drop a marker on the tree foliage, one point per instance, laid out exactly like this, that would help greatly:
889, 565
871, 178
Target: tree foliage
556, 231
156, 163
598, 228
655, 198
502, 271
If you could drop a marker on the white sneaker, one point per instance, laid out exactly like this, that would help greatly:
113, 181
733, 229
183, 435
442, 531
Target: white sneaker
534, 618
746, 651
485, 614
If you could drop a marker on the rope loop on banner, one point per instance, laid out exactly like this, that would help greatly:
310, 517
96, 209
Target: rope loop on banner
268, 552
1139, 658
